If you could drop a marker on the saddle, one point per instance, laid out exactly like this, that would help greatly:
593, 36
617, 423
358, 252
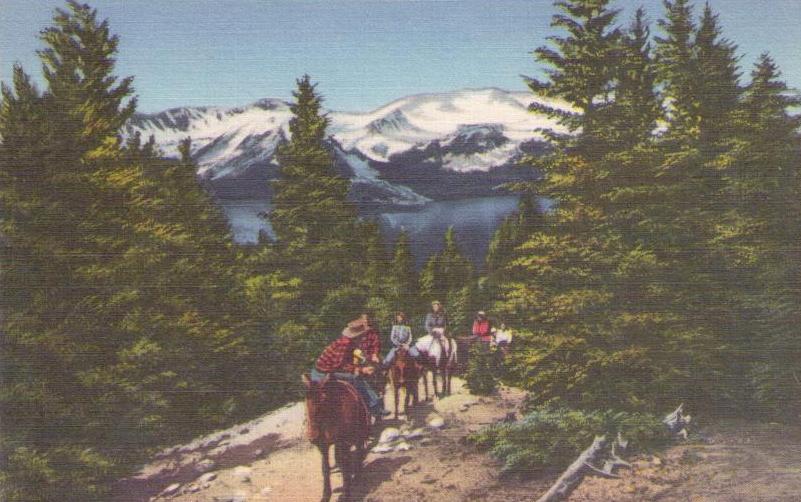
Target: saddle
330, 381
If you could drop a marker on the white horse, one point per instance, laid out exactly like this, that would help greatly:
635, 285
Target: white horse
439, 355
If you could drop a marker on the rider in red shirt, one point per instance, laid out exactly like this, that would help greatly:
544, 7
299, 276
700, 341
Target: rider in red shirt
482, 328
337, 360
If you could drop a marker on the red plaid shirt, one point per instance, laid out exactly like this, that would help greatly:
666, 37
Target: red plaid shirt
370, 344
338, 356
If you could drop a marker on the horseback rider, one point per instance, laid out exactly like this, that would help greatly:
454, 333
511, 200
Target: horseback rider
436, 318
482, 328
343, 359
370, 342
401, 336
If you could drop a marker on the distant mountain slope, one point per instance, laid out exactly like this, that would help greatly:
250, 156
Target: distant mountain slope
403, 154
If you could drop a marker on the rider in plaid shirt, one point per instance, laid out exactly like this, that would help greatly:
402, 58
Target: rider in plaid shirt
337, 361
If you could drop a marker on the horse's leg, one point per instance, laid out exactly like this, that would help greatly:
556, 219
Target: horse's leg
431, 373
358, 459
434, 376
326, 473
397, 397
342, 455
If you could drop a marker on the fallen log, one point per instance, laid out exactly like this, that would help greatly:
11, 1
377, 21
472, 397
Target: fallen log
677, 421
571, 478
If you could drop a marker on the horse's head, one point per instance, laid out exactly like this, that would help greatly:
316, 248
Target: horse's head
317, 395
317, 404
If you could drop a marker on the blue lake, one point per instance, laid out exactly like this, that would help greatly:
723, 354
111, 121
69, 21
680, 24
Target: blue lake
474, 221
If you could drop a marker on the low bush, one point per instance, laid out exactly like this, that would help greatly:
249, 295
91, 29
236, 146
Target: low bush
551, 438
483, 369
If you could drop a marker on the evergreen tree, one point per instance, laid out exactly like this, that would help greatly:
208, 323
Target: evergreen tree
584, 290
124, 281
445, 272
403, 280
375, 261
636, 102
86, 103
311, 216
581, 72
692, 237
677, 66
448, 277
513, 231
765, 164
717, 85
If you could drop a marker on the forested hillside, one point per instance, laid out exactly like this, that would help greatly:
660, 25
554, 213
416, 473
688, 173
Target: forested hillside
667, 270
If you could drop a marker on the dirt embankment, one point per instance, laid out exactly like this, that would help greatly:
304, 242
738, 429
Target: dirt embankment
268, 459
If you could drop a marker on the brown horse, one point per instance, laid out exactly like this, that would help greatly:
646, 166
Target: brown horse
405, 374
336, 415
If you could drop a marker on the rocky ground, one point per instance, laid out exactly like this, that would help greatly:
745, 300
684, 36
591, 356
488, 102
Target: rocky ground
424, 457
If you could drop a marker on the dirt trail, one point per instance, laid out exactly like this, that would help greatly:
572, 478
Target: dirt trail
736, 462
268, 459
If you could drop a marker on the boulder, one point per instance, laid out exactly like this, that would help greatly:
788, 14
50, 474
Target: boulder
209, 476
382, 448
436, 422
416, 433
205, 465
171, 490
388, 435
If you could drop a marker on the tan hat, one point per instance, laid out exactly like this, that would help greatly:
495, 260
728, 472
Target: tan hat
356, 328
481, 313
436, 302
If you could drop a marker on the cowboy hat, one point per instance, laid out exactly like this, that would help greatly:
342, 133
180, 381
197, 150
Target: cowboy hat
436, 302
481, 313
355, 328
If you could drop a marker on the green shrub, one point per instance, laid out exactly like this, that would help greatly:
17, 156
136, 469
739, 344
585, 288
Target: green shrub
481, 376
551, 438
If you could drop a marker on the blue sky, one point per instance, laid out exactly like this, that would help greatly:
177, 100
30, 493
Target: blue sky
364, 53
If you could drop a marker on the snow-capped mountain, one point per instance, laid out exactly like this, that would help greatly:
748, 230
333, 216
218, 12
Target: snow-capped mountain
403, 154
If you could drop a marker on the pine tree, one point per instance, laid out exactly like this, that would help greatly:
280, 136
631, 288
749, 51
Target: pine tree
636, 102
582, 66
448, 276
125, 281
86, 102
693, 236
403, 280
512, 232
677, 66
375, 260
584, 290
765, 166
445, 272
718, 91
311, 216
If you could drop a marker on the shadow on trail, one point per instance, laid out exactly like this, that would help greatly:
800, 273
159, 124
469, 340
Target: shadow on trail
375, 473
